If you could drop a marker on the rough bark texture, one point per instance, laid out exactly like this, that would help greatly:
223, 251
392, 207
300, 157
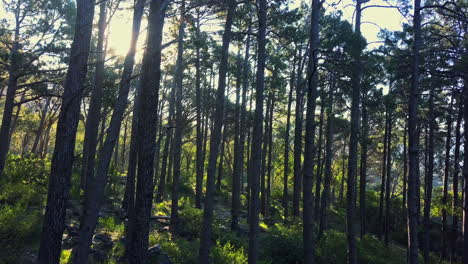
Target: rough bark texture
353, 142
456, 172
309, 146
179, 124
363, 168
445, 185
413, 177
256, 151
62, 159
95, 185
239, 151
388, 181
94, 112
199, 140
205, 236
325, 201
147, 122
285, 200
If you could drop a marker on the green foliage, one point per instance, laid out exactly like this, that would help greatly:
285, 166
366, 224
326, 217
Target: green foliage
27, 170
65, 256
282, 244
228, 254
179, 250
190, 221
17, 228
109, 225
331, 248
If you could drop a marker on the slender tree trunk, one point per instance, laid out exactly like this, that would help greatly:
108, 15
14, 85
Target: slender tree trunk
309, 146
179, 124
205, 236
413, 177
270, 157
456, 172
264, 157
239, 153
318, 184
325, 201
343, 170
405, 162
256, 151
146, 132
445, 184
199, 140
363, 168
384, 175
388, 181
62, 159
465, 171
297, 147
10, 95
285, 200
353, 142
95, 185
94, 112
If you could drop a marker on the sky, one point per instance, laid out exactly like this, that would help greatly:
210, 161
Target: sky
374, 19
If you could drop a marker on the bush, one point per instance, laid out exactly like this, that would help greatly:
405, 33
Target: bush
331, 248
190, 221
282, 244
227, 254
17, 228
109, 225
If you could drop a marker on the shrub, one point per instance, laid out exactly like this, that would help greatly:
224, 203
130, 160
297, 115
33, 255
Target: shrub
331, 248
282, 244
227, 254
109, 225
190, 222
17, 227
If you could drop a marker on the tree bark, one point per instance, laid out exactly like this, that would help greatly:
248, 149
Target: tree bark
95, 185
256, 151
205, 236
62, 159
318, 184
146, 132
445, 184
456, 172
179, 122
363, 168
309, 146
40, 129
388, 181
413, 182
285, 200
94, 112
325, 201
353, 141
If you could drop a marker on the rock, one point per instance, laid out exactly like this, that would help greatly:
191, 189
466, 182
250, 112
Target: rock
156, 253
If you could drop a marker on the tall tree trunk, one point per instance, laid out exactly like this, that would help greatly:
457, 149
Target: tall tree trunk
239, 152
270, 157
62, 159
405, 162
465, 171
388, 181
95, 185
199, 140
318, 184
353, 141
94, 112
384, 175
146, 133
363, 168
256, 151
445, 185
264, 156
325, 201
413, 177
10, 94
297, 181
309, 146
205, 243
285, 200
456, 172
179, 122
